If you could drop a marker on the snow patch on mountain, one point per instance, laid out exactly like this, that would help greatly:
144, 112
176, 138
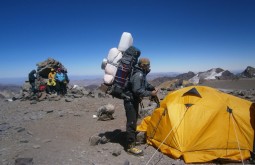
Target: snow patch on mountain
208, 75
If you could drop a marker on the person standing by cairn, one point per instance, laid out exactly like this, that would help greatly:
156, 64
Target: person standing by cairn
51, 83
52, 74
66, 80
60, 78
31, 79
51, 86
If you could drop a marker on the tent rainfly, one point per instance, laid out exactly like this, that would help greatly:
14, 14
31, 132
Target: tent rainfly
201, 124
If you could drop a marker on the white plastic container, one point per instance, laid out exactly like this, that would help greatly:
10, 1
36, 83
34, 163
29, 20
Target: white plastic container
126, 41
114, 56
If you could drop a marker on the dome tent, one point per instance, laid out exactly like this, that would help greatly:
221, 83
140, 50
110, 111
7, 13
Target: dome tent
201, 124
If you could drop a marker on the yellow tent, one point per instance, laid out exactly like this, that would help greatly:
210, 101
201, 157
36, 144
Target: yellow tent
201, 124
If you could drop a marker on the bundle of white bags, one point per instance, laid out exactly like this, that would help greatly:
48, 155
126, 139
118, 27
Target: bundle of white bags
110, 64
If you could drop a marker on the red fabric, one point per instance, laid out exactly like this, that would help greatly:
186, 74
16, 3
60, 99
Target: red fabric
42, 87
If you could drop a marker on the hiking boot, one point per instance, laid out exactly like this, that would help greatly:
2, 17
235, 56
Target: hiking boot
134, 151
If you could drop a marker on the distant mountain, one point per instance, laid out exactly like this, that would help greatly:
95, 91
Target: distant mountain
98, 80
154, 75
87, 82
215, 73
12, 88
154, 78
83, 80
7, 91
249, 72
183, 76
13, 81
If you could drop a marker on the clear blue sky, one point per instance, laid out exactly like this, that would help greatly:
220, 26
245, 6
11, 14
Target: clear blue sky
177, 35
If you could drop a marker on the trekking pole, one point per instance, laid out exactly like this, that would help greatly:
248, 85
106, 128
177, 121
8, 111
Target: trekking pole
141, 103
156, 99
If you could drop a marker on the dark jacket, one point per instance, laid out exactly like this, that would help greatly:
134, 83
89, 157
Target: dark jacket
139, 85
66, 77
31, 76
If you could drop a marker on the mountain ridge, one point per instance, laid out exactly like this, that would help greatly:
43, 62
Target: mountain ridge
155, 77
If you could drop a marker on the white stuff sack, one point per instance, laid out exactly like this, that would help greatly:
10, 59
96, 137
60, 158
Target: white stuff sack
126, 41
114, 56
110, 65
108, 79
110, 69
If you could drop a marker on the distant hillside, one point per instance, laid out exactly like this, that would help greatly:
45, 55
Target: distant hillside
155, 79
98, 80
249, 72
14, 81
9, 90
12, 88
183, 76
212, 74
87, 82
154, 75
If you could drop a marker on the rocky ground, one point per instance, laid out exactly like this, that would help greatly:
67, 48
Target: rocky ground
60, 132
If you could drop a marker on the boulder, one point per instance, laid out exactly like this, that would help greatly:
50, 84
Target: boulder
106, 112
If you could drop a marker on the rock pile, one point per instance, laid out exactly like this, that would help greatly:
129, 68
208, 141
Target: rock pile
43, 68
248, 94
73, 92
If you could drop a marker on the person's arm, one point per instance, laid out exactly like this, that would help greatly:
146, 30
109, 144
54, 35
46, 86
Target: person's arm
56, 77
67, 79
137, 87
50, 75
149, 87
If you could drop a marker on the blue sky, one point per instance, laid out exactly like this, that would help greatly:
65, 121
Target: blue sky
177, 35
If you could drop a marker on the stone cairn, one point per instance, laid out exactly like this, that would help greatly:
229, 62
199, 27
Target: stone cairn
43, 69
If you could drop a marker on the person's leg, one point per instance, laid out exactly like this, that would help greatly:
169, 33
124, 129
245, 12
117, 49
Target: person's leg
33, 86
48, 90
54, 89
64, 88
131, 114
58, 87
61, 88
131, 121
51, 89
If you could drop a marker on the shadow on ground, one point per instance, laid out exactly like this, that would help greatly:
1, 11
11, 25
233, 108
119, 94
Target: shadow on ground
116, 136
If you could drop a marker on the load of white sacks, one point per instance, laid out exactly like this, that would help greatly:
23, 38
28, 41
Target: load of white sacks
110, 64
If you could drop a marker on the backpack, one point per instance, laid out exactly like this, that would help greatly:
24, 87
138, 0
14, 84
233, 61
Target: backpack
122, 68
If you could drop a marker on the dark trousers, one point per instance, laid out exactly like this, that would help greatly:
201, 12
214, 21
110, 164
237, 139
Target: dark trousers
60, 87
131, 108
50, 88
32, 86
65, 88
